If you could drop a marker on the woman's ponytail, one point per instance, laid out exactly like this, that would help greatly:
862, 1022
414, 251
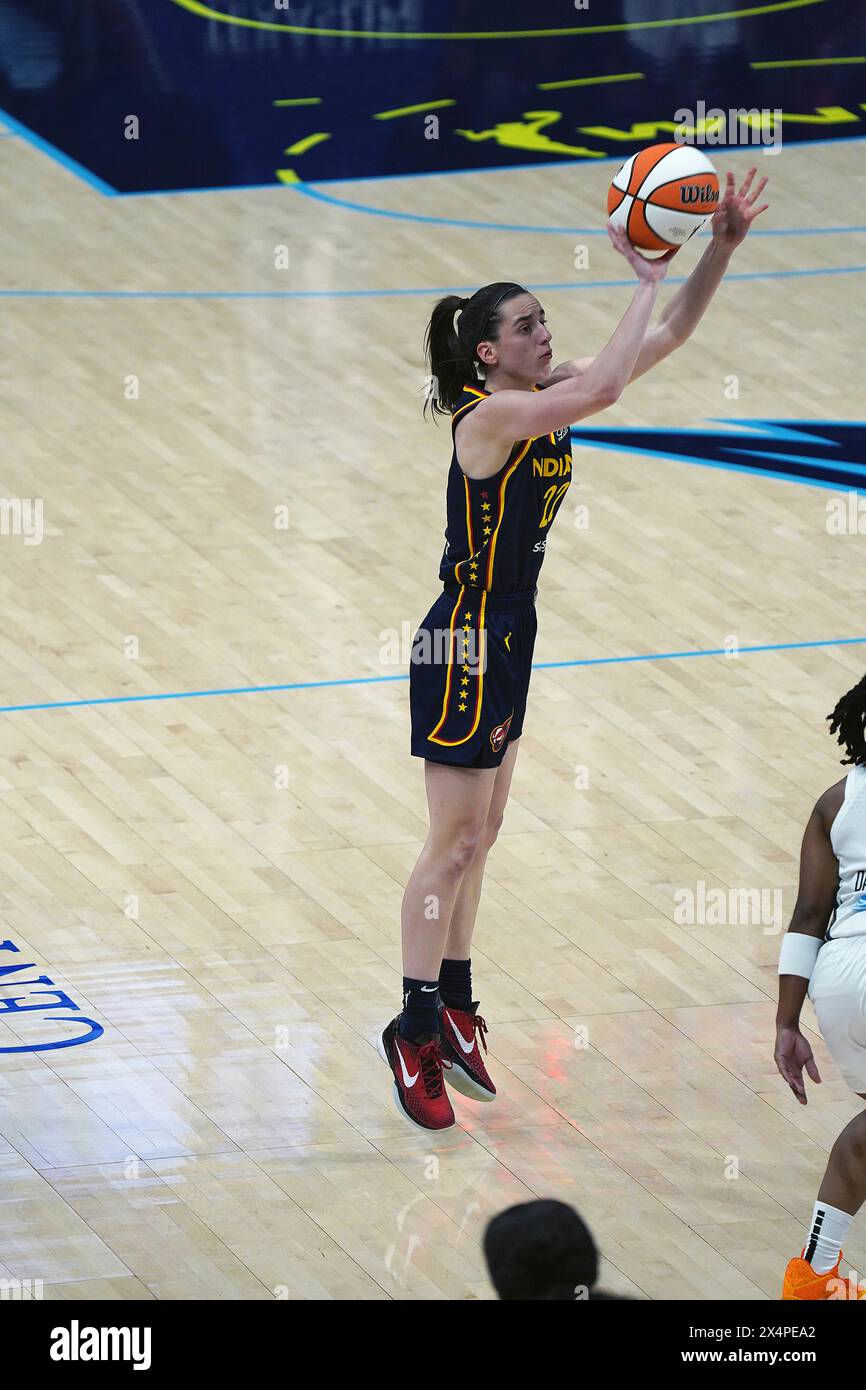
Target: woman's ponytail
449, 363
455, 329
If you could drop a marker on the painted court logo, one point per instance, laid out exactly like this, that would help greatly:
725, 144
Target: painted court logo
500, 733
809, 451
33, 1010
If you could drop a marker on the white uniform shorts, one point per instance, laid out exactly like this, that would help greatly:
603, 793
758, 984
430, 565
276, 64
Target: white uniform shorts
837, 990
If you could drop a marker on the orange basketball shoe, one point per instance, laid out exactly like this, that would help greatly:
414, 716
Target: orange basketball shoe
803, 1284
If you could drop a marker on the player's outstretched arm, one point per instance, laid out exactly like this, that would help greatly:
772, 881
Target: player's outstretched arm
819, 872
509, 415
682, 314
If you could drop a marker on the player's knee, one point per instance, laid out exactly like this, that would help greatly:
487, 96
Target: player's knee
464, 846
850, 1147
492, 827
465, 850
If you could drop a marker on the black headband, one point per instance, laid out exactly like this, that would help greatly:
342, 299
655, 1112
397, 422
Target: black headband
507, 293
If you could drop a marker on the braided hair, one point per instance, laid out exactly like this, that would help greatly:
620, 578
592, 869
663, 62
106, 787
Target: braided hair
455, 329
849, 718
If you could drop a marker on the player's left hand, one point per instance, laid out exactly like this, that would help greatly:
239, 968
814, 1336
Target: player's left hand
737, 211
792, 1054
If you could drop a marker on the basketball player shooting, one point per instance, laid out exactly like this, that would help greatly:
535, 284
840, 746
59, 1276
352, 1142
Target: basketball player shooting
490, 356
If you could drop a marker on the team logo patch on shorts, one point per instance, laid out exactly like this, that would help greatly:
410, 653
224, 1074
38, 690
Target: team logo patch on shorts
500, 733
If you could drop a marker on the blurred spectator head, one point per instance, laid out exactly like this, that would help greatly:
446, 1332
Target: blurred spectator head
540, 1250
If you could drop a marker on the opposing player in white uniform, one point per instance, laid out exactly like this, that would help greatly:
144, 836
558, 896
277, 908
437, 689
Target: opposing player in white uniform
824, 950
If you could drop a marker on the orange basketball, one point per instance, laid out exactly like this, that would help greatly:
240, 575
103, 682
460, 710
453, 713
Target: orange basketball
662, 195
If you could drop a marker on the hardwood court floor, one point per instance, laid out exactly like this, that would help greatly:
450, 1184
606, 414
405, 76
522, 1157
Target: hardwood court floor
217, 881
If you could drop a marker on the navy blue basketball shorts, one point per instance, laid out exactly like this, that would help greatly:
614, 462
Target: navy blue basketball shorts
469, 675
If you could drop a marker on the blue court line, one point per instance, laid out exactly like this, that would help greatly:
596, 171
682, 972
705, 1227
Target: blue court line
310, 190
708, 651
425, 290
52, 151
381, 680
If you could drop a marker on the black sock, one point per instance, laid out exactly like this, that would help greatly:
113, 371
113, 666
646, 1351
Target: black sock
455, 983
420, 1013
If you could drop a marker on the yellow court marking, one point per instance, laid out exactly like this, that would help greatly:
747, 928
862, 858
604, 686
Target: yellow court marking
413, 110
299, 101
528, 134
205, 12
307, 143
806, 62
590, 81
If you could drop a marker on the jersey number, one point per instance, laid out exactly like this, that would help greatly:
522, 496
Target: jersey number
551, 499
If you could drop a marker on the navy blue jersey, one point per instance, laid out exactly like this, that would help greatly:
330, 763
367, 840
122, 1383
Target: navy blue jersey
497, 527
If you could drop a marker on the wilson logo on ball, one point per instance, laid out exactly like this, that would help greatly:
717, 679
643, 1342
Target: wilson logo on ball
694, 193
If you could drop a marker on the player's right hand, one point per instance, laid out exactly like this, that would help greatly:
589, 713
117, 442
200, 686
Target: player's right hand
651, 271
792, 1054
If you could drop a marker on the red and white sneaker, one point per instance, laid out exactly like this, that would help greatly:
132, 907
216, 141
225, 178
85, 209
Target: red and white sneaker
419, 1092
461, 1029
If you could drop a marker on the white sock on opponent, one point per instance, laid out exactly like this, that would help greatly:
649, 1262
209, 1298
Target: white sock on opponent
826, 1235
